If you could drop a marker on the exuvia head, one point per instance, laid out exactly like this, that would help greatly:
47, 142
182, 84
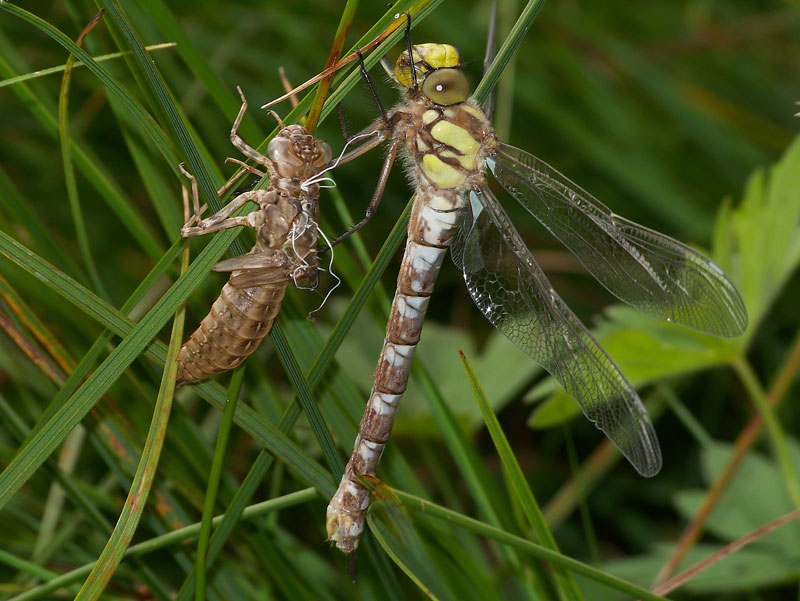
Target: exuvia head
438, 73
297, 154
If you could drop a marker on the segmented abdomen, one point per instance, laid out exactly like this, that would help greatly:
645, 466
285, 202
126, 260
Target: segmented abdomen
239, 320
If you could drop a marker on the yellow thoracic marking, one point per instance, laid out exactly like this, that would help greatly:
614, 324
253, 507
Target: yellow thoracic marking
474, 112
422, 144
440, 173
467, 161
455, 136
430, 116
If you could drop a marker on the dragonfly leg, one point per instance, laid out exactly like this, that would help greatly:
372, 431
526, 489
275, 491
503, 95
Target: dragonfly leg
198, 210
410, 50
391, 155
368, 80
222, 219
240, 144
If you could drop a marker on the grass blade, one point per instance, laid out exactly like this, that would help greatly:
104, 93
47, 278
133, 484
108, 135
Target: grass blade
518, 484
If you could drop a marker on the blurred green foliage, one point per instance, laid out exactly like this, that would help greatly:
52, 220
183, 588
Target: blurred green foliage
675, 115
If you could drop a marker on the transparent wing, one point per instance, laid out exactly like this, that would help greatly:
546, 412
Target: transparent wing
514, 294
657, 275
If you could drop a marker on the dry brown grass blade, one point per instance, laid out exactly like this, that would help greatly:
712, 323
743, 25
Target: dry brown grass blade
670, 585
742, 446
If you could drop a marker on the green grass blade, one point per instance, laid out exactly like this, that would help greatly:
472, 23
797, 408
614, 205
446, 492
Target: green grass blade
510, 44
538, 551
174, 537
10, 81
303, 390
135, 110
518, 484
202, 562
134, 506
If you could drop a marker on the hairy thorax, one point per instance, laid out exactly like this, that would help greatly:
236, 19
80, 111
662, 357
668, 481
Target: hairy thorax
446, 145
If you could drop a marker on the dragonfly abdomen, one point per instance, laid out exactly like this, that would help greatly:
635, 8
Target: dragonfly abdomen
238, 321
446, 147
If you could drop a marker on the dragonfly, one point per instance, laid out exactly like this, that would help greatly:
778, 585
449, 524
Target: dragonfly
449, 145
286, 226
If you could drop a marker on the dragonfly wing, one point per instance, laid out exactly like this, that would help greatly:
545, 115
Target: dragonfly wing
513, 293
256, 269
652, 272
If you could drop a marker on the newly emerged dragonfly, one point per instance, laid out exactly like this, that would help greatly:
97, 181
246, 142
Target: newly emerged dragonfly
286, 224
449, 143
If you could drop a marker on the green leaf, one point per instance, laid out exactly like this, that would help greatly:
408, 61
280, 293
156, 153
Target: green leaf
754, 497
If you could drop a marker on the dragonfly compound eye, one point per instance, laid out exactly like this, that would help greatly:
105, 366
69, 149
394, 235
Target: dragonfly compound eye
446, 87
324, 152
282, 152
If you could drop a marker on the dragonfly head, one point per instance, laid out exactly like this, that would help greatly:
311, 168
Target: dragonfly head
438, 74
297, 154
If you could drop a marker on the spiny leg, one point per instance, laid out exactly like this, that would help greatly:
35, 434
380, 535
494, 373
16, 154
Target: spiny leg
391, 155
410, 49
240, 144
195, 196
200, 209
222, 219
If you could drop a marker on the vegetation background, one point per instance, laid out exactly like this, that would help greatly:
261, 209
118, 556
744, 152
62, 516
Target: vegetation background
677, 115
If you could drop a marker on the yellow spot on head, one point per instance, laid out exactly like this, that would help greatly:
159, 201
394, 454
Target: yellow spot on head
427, 58
440, 173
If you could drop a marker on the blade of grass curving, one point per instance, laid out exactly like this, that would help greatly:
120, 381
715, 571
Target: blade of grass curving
10, 81
518, 484
92, 168
169, 107
69, 170
171, 538
514, 38
391, 525
470, 467
303, 392
160, 15
128, 521
202, 562
138, 336
535, 550
135, 110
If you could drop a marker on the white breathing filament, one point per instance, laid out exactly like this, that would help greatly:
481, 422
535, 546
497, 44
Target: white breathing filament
330, 271
319, 176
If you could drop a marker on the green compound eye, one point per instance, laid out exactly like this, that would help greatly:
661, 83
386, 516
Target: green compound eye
446, 87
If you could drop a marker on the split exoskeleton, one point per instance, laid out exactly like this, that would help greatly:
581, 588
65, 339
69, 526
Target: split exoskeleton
286, 226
